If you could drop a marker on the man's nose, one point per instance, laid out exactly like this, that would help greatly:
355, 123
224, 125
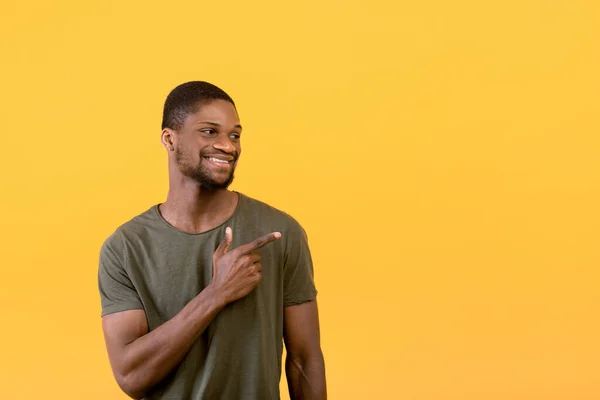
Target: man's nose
224, 144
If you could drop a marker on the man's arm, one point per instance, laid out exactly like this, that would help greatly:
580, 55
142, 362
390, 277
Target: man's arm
139, 359
304, 365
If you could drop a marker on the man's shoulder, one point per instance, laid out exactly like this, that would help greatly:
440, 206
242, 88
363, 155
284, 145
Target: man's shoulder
267, 211
134, 228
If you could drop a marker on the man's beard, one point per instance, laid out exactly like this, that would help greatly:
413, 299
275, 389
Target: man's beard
201, 174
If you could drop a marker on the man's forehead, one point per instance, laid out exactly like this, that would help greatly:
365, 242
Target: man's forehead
216, 109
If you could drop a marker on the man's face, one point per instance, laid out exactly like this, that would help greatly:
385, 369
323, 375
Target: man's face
207, 146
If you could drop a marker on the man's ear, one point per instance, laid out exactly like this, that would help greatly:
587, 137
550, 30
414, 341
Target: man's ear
167, 138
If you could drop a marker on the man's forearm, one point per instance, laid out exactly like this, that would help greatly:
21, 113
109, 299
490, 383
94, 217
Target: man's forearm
306, 377
148, 359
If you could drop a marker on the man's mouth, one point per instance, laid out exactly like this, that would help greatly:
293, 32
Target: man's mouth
220, 161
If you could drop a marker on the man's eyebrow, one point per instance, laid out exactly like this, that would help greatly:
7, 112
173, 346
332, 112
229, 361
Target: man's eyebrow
217, 124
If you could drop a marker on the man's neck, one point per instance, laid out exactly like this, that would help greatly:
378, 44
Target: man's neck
196, 210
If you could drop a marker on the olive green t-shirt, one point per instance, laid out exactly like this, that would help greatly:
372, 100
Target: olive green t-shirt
150, 265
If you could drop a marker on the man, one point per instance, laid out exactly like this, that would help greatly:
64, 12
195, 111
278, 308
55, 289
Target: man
198, 292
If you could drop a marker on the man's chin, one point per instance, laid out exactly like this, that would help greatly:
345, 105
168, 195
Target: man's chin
215, 184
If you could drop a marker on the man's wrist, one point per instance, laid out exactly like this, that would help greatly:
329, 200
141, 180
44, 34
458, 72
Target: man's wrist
217, 297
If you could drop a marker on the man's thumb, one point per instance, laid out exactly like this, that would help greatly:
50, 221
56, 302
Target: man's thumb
226, 242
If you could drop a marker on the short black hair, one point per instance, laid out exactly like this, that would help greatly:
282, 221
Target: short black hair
186, 98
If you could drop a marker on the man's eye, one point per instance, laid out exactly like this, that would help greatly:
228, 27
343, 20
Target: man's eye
235, 136
208, 131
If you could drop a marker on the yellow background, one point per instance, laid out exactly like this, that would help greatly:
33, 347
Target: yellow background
442, 156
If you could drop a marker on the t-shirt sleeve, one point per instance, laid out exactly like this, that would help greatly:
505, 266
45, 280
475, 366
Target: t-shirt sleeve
117, 292
298, 274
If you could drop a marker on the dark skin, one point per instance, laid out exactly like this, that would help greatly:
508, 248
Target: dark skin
203, 155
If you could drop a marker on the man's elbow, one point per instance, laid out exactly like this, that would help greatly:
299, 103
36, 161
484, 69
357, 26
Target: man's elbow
130, 385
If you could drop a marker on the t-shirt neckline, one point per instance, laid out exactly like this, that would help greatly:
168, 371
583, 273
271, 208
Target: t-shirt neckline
158, 215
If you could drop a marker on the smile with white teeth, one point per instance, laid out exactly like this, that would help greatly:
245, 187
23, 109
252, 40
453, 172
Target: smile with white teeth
217, 160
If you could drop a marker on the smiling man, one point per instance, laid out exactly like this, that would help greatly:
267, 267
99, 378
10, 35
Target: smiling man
199, 292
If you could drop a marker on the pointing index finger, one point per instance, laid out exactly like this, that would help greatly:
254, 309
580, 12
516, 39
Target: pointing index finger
260, 242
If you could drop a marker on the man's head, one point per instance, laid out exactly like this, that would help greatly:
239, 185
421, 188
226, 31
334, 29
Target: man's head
202, 130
